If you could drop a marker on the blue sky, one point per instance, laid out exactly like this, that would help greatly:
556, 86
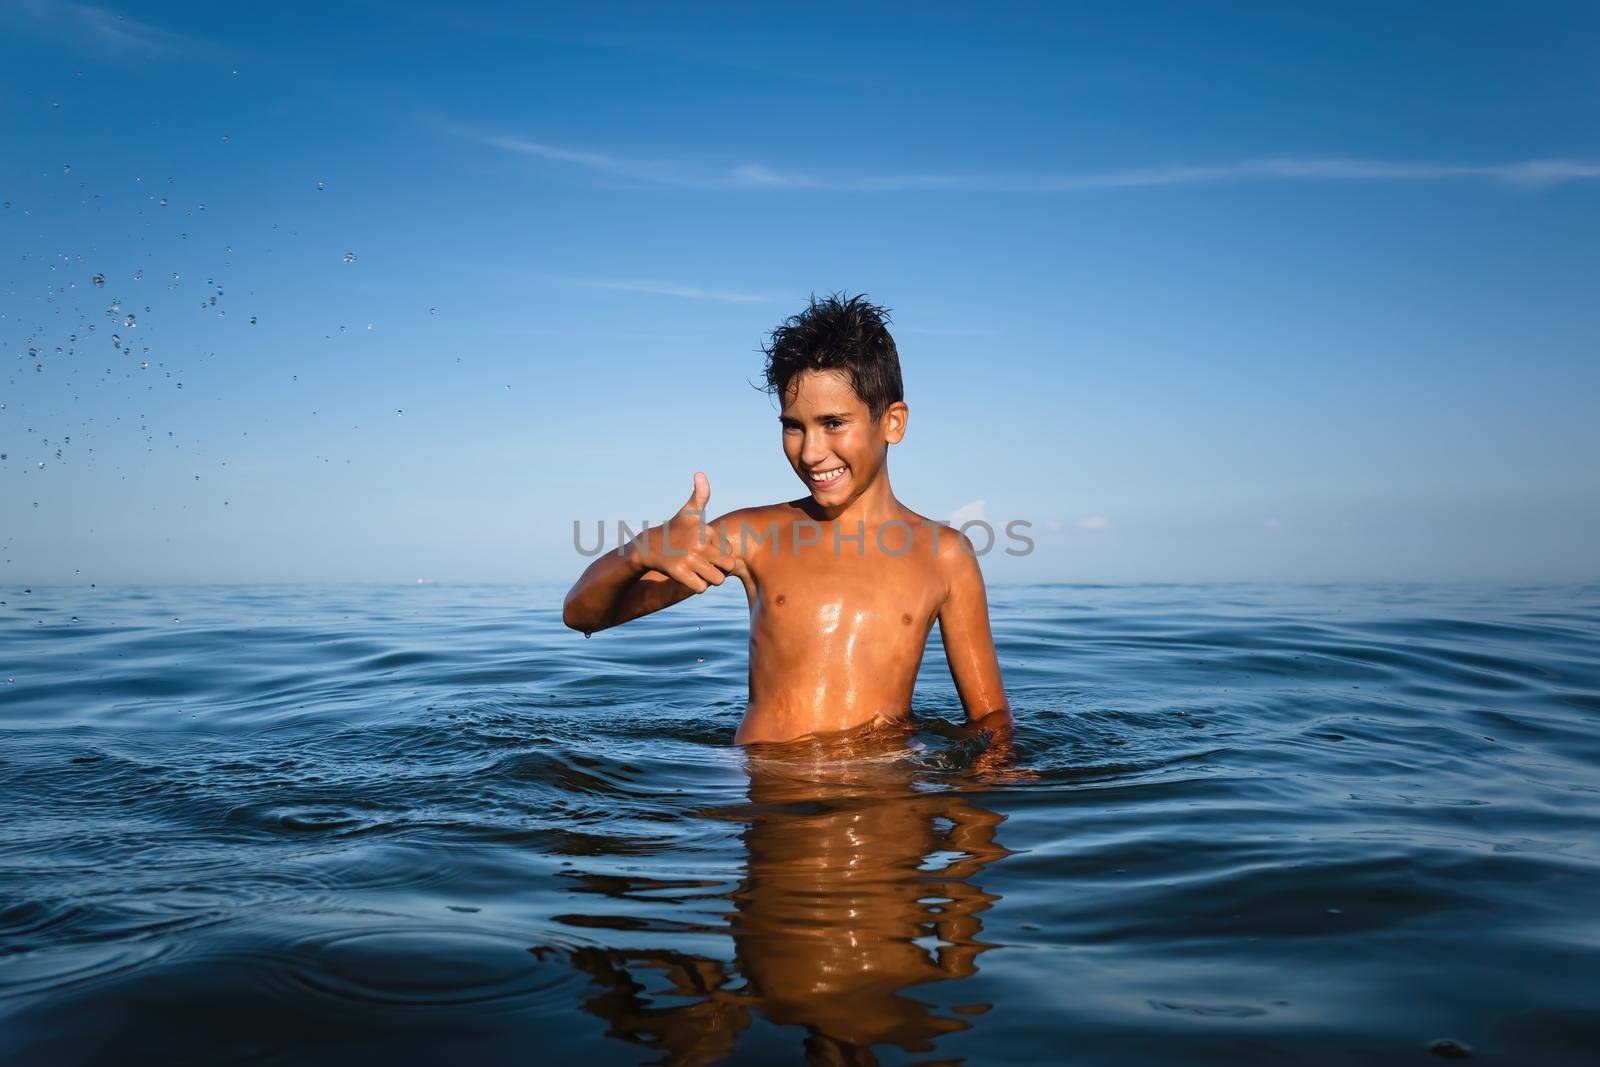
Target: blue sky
1269, 292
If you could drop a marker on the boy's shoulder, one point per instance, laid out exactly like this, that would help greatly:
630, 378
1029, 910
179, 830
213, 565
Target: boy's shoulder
947, 545
758, 523
753, 527
791, 511
758, 514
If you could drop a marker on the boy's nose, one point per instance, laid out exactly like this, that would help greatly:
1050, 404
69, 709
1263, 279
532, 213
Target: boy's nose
812, 452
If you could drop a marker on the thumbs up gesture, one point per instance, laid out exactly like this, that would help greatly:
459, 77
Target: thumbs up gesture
685, 549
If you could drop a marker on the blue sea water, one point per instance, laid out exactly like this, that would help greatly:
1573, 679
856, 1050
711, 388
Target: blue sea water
1333, 823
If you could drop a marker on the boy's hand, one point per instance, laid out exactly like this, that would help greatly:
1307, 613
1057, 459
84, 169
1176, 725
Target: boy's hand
685, 549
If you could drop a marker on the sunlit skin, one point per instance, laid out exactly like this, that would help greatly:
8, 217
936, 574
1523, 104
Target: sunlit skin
848, 868
844, 584
852, 871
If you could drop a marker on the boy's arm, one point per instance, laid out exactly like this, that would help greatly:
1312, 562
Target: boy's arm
968, 644
655, 570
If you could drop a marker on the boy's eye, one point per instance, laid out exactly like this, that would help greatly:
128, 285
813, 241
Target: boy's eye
834, 424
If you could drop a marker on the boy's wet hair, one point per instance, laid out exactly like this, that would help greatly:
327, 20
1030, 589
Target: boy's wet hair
838, 333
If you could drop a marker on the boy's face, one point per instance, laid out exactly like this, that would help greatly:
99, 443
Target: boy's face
832, 441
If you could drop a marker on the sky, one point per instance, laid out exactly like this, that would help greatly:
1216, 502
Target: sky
398, 292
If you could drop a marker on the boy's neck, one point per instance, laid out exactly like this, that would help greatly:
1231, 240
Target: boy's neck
875, 505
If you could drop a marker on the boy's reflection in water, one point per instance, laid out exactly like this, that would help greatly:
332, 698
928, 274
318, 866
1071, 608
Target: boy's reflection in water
859, 885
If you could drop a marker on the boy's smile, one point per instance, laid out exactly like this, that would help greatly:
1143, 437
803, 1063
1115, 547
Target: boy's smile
831, 439
827, 478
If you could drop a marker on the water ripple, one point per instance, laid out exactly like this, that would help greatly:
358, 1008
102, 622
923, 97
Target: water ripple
1337, 821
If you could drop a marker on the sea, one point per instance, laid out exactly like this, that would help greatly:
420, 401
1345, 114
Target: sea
1318, 824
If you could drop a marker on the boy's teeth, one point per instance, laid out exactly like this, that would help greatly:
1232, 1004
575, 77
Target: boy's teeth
828, 476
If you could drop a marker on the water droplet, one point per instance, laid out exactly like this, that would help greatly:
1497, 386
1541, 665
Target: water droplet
349, 257
225, 137
252, 320
129, 322
139, 274
144, 366
163, 201
398, 411
66, 168
116, 340
320, 184
99, 281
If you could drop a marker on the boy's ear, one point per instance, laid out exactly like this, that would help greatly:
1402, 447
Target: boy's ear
894, 421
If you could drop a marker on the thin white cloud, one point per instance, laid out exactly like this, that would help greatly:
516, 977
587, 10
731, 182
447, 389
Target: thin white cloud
655, 172
1094, 523
755, 176
87, 27
972, 511
588, 335
945, 331
1528, 172
655, 288
1272, 525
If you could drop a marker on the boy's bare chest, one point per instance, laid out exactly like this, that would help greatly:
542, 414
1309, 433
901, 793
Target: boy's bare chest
817, 592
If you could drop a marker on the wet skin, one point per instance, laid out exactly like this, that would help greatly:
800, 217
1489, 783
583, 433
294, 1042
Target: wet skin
845, 862
853, 867
844, 584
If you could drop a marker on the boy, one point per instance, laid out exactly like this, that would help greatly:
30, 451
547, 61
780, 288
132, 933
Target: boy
845, 583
